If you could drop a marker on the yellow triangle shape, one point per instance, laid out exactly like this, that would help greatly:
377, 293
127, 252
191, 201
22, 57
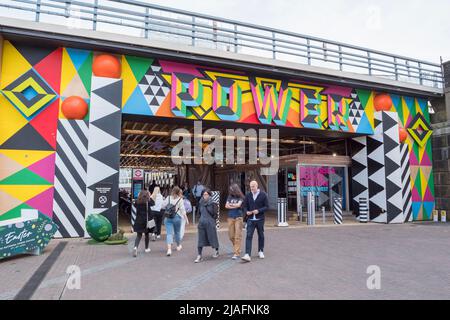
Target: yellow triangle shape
11, 120
26, 157
13, 64
24, 192
68, 70
128, 79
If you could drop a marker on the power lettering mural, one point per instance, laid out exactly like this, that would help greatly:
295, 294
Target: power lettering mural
52, 135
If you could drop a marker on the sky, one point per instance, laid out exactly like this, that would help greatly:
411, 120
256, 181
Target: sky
415, 28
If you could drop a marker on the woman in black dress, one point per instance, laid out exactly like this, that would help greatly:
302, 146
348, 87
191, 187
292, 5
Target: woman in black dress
207, 231
143, 214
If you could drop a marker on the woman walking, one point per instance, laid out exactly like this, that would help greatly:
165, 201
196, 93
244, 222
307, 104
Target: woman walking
174, 212
207, 231
143, 215
157, 214
235, 220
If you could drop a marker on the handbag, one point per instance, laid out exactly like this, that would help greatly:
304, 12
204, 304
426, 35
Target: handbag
171, 209
150, 224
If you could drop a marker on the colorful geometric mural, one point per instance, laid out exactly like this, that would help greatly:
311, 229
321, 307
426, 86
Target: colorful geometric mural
29, 83
34, 82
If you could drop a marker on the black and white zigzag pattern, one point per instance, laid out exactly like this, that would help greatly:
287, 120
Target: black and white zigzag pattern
216, 198
70, 176
406, 183
104, 144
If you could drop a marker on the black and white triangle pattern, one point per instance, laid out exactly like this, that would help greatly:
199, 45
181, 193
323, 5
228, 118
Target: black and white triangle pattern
356, 111
104, 144
360, 182
406, 183
154, 89
376, 173
392, 161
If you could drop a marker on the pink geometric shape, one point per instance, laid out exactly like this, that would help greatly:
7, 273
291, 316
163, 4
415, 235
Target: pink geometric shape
413, 159
341, 91
177, 67
425, 160
428, 197
43, 202
415, 195
45, 168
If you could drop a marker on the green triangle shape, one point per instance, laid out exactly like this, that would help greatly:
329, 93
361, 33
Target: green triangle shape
25, 177
14, 213
139, 66
85, 73
428, 150
431, 183
416, 151
417, 184
363, 96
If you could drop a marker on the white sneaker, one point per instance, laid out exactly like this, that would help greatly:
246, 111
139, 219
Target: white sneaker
261, 255
235, 257
246, 258
169, 252
147, 250
135, 252
153, 237
179, 247
198, 259
158, 237
216, 254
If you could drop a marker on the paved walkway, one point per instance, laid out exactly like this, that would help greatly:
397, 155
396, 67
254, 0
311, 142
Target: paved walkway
322, 262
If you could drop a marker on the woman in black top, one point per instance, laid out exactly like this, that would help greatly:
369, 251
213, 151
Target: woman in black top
143, 214
207, 231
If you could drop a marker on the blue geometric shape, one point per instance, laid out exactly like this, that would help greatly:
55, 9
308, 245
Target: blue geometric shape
77, 56
137, 104
396, 99
416, 208
428, 208
364, 125
29, 93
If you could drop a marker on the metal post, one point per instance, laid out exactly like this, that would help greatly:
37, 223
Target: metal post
235, 39
363, 210
323, 215
308, 51
435, 216
282, 209
311, 210
147, 13
443, 216
193, 31
273, 46
337, 210
94, 19
420, 74
38, 10
396, 68
369, 63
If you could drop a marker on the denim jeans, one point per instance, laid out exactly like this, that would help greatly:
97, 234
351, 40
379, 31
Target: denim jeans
173, 226
251, 226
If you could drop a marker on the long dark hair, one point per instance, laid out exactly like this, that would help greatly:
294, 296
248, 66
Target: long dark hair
143, 197
235, 191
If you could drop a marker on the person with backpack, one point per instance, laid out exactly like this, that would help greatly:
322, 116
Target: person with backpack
235, 220
143, 216
174, 213
207, 231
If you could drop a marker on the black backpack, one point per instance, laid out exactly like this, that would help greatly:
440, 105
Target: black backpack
171, 210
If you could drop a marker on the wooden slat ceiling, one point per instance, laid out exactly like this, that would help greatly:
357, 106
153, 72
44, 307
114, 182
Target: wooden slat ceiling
148, 145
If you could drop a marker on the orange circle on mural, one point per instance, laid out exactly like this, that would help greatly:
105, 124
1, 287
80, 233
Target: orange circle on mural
74, 108
382, 102
403, 134
106, 66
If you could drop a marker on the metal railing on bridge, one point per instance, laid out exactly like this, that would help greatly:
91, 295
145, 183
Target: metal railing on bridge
135, 18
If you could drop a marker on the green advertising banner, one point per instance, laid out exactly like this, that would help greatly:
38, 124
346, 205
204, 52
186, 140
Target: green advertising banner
30, 236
